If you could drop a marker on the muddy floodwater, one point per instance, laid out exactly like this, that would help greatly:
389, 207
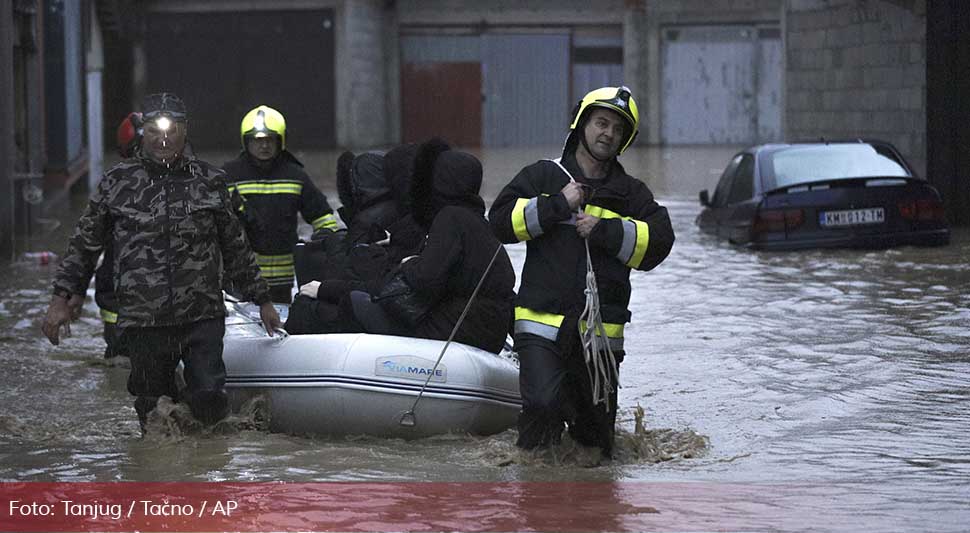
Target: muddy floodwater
832, 384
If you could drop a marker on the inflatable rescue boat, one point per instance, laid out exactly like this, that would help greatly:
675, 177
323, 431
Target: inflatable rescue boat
363, 384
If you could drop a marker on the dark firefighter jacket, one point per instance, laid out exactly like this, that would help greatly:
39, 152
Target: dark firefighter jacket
634, 232
172, 234
270, 203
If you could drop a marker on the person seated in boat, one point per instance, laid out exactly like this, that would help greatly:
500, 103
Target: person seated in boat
367, 201
380, 231
445, 202
406, 235
350, 258
369, 209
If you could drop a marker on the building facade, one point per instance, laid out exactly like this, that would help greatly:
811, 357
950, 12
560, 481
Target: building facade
370, 73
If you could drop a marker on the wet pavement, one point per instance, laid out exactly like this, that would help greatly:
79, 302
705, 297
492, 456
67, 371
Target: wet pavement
832, 383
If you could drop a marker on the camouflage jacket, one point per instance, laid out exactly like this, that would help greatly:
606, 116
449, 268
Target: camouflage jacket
172, 233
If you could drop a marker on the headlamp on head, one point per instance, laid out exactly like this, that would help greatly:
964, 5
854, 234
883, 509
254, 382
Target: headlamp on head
168, 105
164, 120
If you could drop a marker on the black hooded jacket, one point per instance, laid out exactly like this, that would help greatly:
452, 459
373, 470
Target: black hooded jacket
444, 198
406, 235
368, 206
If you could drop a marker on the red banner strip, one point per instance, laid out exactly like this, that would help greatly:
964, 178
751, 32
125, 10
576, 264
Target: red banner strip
364, 507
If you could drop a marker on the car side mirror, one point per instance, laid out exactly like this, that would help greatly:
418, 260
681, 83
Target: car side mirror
705, 200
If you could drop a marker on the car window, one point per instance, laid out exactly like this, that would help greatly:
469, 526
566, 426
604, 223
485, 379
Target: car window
724, 184
743, 186
805, 164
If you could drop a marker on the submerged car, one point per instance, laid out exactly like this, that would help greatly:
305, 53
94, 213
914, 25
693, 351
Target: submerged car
859, 194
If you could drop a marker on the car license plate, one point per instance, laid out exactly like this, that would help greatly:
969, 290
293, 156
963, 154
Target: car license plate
852, 217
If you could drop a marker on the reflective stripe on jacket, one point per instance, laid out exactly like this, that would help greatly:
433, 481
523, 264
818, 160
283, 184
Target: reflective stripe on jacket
276, 269
546, 325
270, 202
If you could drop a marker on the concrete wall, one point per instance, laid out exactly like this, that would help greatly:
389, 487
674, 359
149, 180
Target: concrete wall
510, 12
362, 75
857, 68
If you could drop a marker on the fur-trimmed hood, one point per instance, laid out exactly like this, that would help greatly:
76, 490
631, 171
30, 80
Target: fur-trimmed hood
444, 177
398, 166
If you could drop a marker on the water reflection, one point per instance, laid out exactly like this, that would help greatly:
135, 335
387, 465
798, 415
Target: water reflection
843, 374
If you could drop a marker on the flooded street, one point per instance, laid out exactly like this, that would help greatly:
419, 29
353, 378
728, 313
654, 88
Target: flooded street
832, 385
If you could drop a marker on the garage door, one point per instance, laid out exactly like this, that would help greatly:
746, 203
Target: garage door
224, 64
524, 97
526, 89
442, 99
721, 84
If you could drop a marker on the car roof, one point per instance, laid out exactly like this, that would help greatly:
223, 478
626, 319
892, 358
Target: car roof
763, 151
774, 147
770, 148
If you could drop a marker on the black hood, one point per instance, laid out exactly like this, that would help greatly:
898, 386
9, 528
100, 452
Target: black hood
444, 177
398, 166
344, 186
369, 185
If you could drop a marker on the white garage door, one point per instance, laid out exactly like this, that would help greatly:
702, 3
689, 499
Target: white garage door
721, 85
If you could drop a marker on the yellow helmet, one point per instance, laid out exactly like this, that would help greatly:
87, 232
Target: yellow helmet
616, 99
262, 121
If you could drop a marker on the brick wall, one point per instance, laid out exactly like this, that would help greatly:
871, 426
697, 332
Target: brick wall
857, 68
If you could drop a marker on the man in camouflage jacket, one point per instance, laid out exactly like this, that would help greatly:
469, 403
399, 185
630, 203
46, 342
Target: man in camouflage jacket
167, 217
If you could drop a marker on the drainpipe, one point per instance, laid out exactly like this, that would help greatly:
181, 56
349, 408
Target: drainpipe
94, 62
6, 128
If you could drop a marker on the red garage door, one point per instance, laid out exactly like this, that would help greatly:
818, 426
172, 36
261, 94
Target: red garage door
444, 100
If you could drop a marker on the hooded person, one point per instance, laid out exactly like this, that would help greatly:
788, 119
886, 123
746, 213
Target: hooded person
445, 202
406, 235
368, 207
334, 263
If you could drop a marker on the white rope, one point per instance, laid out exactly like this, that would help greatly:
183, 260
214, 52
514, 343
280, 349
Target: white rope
600, 361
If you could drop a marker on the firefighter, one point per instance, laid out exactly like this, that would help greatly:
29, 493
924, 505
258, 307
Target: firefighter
273, 189
561, 208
